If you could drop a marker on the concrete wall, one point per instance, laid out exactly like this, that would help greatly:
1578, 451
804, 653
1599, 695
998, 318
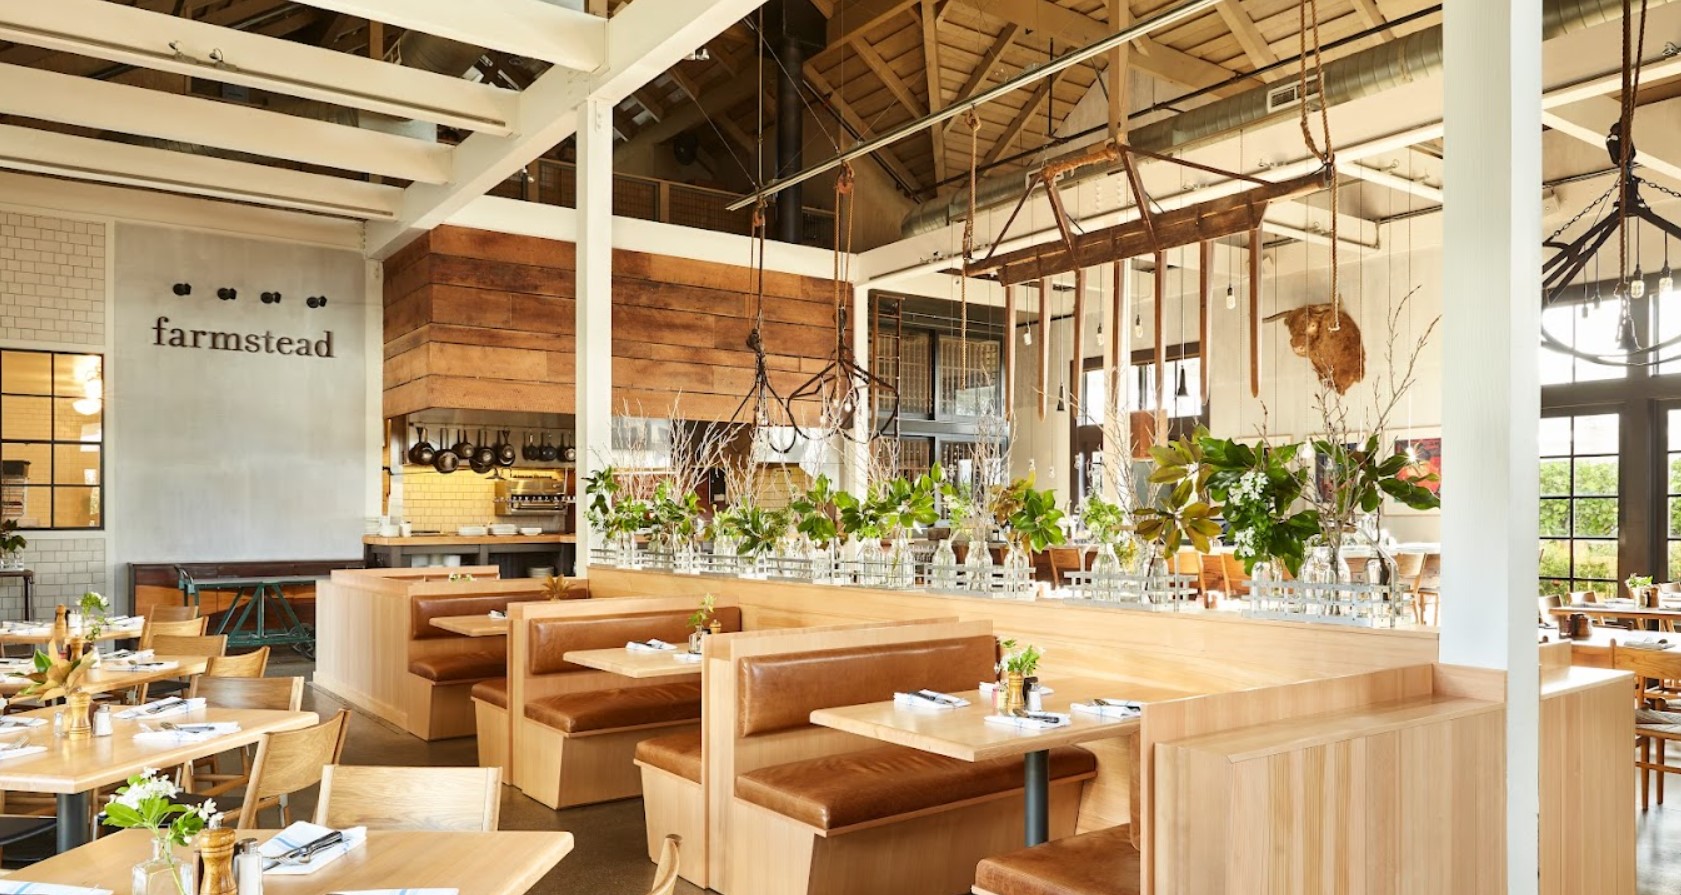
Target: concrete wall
229, 455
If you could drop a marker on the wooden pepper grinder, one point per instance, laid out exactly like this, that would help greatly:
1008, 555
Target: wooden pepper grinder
215, 853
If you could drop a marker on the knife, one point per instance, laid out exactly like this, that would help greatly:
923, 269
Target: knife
303, 853
1118, 704
936, 698
162, 705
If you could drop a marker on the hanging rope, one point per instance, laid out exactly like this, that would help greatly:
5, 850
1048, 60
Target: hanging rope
1634, 50
1327, 155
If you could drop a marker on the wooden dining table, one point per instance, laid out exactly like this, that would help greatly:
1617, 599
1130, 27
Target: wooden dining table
965, 734
110, 677
634, 663
72, 770
498, 863
473, 625
41, 633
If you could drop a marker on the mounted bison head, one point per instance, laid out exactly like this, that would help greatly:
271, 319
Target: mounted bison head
1338, 357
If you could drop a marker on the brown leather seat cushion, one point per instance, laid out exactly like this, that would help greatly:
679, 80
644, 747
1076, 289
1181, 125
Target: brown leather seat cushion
611, 709
779, 692
457, 667
842, 790
550, 639
1102, 862
424, 609
493, 691
678, 753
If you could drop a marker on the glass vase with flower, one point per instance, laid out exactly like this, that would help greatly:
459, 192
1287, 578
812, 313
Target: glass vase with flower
147, 802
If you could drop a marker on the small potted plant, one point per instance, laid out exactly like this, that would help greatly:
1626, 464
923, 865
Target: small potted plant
703, 623
1033, 522
11, 545
96, 613
59, 673
1641, 589
1021, 664
147, 803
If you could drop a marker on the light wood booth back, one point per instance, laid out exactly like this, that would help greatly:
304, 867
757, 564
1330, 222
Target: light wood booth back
447, 799
366, 640
728, 752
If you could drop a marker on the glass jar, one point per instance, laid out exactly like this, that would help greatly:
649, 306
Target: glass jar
942, 568
1018, 570
1105, 574
1262, 579
871, 560
164, 873
977, 567
900, 569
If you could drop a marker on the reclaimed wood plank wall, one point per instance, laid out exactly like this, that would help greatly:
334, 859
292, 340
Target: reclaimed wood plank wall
484, 321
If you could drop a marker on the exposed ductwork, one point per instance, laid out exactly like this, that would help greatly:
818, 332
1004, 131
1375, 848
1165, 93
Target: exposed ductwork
1368, 72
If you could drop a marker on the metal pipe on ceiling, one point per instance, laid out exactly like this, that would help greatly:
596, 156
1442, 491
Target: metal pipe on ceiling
1368, 72
1141, 28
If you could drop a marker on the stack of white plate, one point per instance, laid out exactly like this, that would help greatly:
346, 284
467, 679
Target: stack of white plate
472, 531
504, 530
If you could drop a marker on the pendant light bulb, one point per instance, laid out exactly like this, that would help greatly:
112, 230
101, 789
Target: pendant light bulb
1062, 398
1100, 331
1182, 391
1027, 335
1138, 326
1231, 299
1666, 283
1637, 284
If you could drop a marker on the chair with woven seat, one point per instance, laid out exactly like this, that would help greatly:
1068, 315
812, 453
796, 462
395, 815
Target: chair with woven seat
447, 799
1654, 730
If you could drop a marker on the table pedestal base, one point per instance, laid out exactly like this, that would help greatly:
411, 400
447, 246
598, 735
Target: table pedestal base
1037, 791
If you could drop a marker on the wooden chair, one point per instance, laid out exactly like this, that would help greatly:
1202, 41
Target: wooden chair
1063, 559
1408, 568
164, 612
289, 761
462, 800
1211, 572
665, 877
1237, 580
1652, 728
1188, 562
272, 693
1427, 604
279, 693
252, 664
181, 645
190, 627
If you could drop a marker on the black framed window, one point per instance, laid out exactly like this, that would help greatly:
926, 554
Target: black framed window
52, 439
1581, 473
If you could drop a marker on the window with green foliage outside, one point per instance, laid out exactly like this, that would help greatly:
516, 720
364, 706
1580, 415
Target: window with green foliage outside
1580, 474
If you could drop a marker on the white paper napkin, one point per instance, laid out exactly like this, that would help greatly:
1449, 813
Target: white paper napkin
302, 833
144, 655
1128, 710
163, 708
942, 702
1657, 643
138, 666
21, 751
494, 613
19, 887
651, 646
207, 731
1045, 721
688, 657
19, 721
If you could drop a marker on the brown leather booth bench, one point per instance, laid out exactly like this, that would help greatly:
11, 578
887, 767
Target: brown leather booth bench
830, 813
577, 728
444, 667
1102, 862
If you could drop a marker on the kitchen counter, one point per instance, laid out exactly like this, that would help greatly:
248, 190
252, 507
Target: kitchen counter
458, 540
514, 555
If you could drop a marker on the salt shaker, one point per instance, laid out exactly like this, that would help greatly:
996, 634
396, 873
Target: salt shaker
1035, 698
248, 867
58, 723
102, 721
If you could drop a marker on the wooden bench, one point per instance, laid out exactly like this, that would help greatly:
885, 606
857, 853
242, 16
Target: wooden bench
820, 812
575, 729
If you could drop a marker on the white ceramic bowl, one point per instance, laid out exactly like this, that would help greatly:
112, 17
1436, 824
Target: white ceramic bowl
531, 532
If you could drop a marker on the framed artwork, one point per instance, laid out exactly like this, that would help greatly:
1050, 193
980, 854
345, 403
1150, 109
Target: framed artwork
1425, 460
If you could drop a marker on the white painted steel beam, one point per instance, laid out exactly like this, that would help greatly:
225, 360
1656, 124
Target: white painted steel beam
106, 106
643, 40
1656, 147
1391, 179
82, 158
593, 309
532, 28
1491, 395
160, 42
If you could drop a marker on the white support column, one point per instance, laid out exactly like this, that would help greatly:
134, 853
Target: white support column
855, 453
594, 301
1491, 395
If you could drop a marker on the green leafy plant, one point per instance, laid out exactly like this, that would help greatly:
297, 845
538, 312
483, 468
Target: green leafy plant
96, 611
860, 516
815, 512
10, 540
906, 504
1022, 660
703, 615
60, 670
146, 802
1638, 583
601, 489
676, 517
1259, 484
1183, 512
1106, 520
760, 529
1030, 517
1353, 479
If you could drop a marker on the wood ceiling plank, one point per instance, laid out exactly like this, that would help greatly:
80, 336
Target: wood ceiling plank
889, 78
1029, 110
1373, 17
854, 19
885, 156
1247, 34
983, 72
1179, 67
936, 95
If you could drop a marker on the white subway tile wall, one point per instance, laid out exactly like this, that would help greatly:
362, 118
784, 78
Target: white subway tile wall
65, 568
432, 500
52, 280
